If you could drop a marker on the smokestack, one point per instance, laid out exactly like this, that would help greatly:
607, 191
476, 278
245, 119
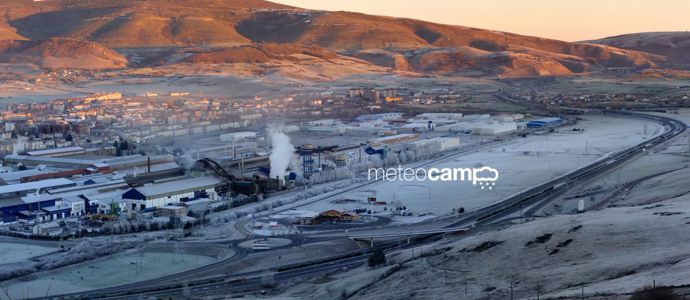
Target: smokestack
148, 164
280, 183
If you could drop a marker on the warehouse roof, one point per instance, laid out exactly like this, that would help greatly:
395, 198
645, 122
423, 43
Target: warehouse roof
30, 186
54, 151
16, 175
178, 186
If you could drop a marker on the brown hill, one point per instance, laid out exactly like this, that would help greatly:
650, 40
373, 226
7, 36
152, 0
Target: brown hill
61, 53
138, 23
396, 43
9, 33
674, 45
261, 53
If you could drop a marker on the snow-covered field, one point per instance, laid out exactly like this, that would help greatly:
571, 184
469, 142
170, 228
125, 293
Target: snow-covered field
122, 268
522, 163
13, 252
602, 254
670, 156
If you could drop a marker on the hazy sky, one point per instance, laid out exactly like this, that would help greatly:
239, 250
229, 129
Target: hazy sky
559, 19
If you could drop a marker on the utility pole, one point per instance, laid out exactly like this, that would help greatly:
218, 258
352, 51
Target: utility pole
582, 291
465, 286
688, 146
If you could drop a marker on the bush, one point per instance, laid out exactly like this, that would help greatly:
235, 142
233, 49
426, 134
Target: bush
655, 293
377, 258
267, 281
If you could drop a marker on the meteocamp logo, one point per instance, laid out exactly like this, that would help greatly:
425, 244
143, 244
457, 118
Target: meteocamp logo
484, 177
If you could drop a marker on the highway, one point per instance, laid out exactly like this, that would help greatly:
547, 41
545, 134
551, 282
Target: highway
252, 281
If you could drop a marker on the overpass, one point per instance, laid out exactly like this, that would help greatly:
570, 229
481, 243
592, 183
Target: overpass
408, 234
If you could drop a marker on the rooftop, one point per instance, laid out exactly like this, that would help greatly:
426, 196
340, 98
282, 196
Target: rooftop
177, 186
36, 185
54, 151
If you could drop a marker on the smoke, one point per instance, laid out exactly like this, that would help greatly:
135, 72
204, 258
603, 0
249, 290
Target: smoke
282, 151
19, 145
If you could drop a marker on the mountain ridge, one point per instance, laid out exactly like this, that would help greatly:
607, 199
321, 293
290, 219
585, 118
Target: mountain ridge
400, 44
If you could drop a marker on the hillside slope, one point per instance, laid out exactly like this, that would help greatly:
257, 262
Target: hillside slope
396, 43
674, 45
60, 53
603, 254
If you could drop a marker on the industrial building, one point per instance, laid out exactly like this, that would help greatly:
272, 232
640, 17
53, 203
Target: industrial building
56, 152
496, 128
23, 189
166, 193
381, 116
433, 116
393, 139
115, 163
241, 136
544, 122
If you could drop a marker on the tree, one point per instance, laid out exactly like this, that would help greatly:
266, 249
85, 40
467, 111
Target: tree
268, 281
377, 258
655, 293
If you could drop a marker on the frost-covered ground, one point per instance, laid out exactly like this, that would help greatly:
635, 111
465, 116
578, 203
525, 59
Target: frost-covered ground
13, 252
522, 163
672, 156
122, 268
604, 253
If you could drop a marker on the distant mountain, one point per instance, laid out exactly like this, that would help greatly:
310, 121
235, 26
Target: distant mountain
674, 45
395, 43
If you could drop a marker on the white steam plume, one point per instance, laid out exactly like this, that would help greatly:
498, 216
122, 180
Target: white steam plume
281, 153
19, 145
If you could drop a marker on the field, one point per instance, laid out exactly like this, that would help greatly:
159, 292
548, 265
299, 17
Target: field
522, 162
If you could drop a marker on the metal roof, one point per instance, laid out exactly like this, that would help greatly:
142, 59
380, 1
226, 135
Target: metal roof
178, 186
29, 186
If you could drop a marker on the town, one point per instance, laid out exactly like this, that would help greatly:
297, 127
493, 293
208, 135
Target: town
73, 167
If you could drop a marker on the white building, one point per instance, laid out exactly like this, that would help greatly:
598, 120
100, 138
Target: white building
381, 116
433, 116
166, 193
238, 136
495, 128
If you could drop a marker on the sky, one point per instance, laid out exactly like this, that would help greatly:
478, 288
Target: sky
558, 19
